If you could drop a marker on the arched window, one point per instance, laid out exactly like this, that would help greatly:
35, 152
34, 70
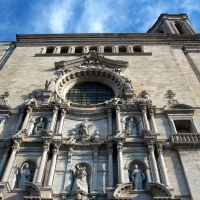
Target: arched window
50, 49
78, 49
122, 49
90, 93
137, 48
64, 50
108, 49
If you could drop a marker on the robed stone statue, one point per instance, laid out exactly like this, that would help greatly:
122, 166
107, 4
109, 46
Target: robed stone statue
137, 177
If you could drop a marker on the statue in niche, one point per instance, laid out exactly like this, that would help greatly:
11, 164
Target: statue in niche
23, 176
137, 177
80, 180
38, 128
84, 128
132, 127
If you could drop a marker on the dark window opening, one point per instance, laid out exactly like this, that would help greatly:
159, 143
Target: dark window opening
50, 50
184, 126
93, 49
122, 49
137, 49
108, 49
78, 49
64, 50
179, 27
90, 93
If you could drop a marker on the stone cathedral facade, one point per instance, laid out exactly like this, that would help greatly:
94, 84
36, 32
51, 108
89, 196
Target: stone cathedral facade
102, 116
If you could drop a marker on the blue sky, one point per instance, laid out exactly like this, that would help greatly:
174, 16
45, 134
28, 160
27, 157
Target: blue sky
88, 16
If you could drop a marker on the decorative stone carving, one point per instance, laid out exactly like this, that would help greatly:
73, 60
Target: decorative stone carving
50, 85
84, 129
172, 101
144, 98
23, 175
127, 84
137, 177
80, 185
4, 99
96, 138
39, 127
132, 127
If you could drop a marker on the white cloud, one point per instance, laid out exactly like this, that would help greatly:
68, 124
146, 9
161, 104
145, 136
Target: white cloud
53, 16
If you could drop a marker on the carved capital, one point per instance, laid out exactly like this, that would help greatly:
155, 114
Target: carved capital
144, 110
119, 146
63, 112
151, 147
117, 109
109, 112
46, 146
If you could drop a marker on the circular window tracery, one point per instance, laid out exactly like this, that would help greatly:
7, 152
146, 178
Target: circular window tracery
90, 93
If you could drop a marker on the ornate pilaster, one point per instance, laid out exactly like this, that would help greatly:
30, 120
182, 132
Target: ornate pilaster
95, 169
42, 162
68, 178
110, 165
153, 162
110, 121
120, 163
28, 113
146, 122
153, 124
63, 112
159, 145
55, 153
118, 123
53, 121
31, 125
10, 162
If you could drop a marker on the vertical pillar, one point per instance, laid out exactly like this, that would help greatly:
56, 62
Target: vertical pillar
118, 123
61, 121
31, 127
17, 127
120, 163
68, 180
110, 166
6, 174
4, 159
42, 162
153, 124
43, 50
55, 112
95, 168
146, 122
55, 153
154, 167
28, 113
56, 49
162, 164
172, 125
110, 121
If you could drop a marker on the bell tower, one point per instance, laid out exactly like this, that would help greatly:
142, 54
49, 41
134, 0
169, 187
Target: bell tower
174, 24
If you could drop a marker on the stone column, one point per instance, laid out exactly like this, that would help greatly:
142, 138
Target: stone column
61, 121
56, 49
146, 122
4, 159
118, 121
110, 166
21, 114
153, 124
53, 121
10, 162
28, 113
162, 164
120, 163
42, 162
55, 153
110, 121
31, 127
154, 167
43, 50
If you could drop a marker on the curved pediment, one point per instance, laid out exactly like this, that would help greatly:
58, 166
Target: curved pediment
92, 58
179, 108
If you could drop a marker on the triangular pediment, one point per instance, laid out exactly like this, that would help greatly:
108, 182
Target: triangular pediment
92, 59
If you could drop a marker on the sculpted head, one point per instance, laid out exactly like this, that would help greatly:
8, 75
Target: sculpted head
135, 166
